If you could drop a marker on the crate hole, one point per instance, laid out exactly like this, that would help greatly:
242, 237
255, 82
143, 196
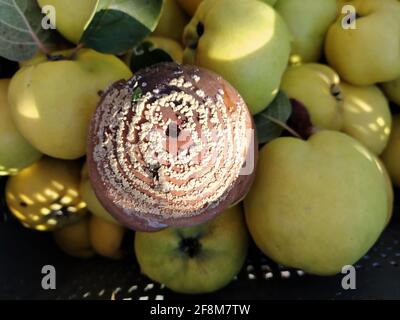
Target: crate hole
251, 276
285, 274
159, 297
250, 268
149, 287
268, 275
300, 273
366, 257
265, 267
383, 255
101, 292
86, 295
393, 263
376, 265
144, 298
132, 288
114, 293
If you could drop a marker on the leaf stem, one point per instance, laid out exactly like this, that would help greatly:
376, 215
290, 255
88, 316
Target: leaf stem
284, 126
34, 36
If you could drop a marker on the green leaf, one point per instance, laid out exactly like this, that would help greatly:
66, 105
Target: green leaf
20, 25
267, 121
119, 25
146, 55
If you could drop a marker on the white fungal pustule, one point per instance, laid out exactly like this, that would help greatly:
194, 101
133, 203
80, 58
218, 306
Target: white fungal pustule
176, 149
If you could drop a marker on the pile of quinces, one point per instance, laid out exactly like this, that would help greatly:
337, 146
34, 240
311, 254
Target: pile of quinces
319, 202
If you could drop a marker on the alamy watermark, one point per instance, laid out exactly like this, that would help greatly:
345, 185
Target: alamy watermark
349, 280
349, 21
49, 278
49, 20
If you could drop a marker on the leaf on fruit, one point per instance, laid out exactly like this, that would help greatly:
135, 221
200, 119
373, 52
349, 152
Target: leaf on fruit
300, 120
21, 29
145, 55
266, 122
120, 25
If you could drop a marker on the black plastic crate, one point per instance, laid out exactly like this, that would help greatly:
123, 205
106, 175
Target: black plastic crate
24, 252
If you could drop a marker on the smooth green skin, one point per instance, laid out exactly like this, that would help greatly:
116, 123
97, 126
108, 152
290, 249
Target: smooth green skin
370, 53
88, 195
270, 2
52, 102
317, 205
392, 90
391, 154
224, 242
72, 17
172, 21
250, 51
15, 152
190, 6
311, 84
366, 116
308, 22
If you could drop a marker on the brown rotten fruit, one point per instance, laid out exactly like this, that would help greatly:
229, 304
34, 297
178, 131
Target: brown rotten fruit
172, 146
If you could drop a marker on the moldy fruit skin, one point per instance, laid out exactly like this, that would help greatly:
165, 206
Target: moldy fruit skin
167, 147
45, 196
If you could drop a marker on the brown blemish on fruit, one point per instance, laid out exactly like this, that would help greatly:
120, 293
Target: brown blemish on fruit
176, 151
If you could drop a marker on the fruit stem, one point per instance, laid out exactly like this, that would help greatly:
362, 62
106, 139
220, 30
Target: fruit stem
74, 52
284, 126
72, 56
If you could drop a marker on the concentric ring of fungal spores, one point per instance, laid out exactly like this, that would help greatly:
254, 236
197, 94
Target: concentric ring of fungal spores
170, 150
